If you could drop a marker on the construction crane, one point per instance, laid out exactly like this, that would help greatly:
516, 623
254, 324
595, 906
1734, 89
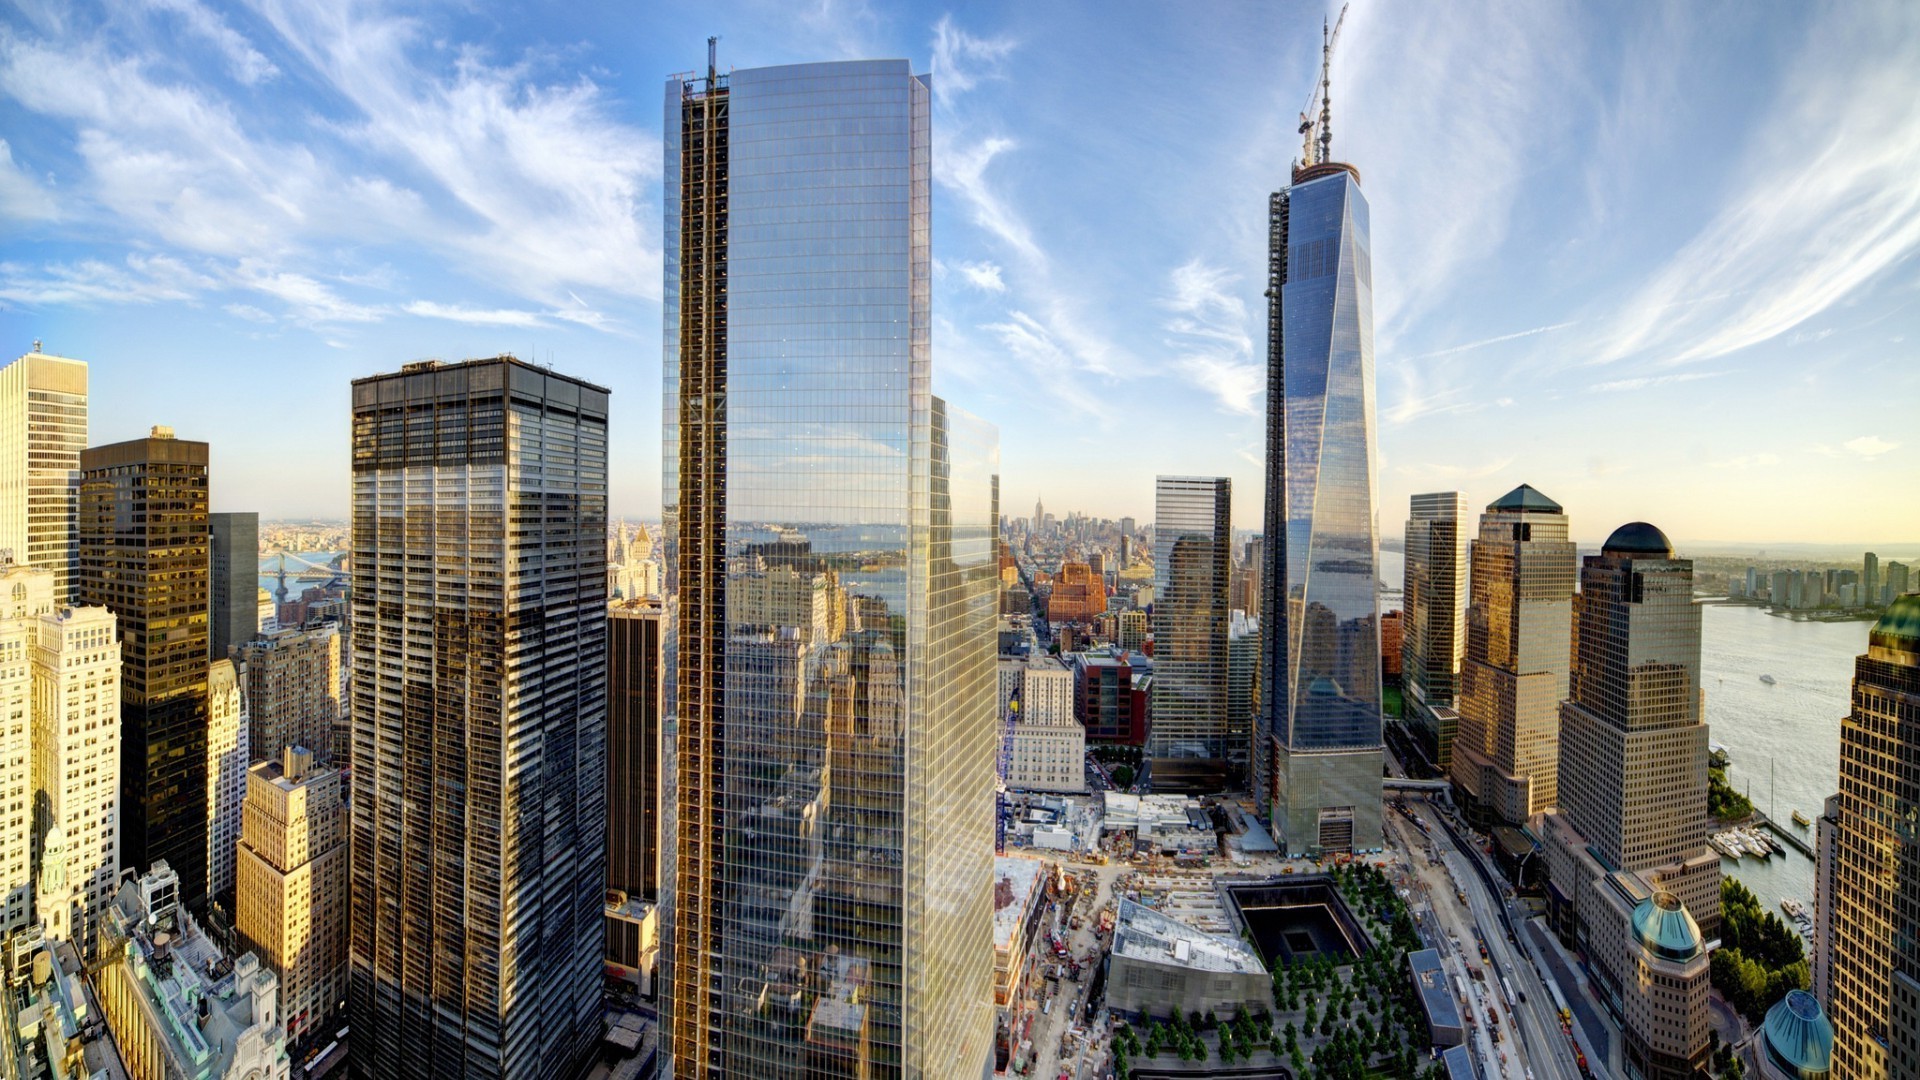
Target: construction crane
1316, 120
1005, 814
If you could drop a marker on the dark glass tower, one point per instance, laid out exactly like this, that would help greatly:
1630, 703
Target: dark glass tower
143, 556
235, 583
1192, 531
633, 749
1318, 744
831, 587
479, 817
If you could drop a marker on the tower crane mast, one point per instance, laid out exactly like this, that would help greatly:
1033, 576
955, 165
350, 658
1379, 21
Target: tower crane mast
1316, 119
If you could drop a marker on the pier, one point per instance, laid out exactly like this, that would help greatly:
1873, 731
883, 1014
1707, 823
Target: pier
1785, 835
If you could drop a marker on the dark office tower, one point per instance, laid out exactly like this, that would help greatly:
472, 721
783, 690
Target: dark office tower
1192, 560
1873, 962
1434, 598
1870, 581
143, 556
830, 588
1321, 623
633, 748
235, 585
1506, 751
478, 721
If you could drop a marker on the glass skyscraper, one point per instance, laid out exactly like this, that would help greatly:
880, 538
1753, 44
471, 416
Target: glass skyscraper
1318, 744
831, 589
1434, 598
1192, 537
479, 820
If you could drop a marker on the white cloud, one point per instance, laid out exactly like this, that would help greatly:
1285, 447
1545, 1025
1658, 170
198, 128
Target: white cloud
1642, 382
961, 60
427, 309
1870, 446
247, 312
139, 279
1496, 340
984, 276
246, 62
21, 196
308, 301
964, 170
1209, 336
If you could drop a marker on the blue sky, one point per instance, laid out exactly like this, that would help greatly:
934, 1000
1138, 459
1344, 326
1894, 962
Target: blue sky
1655, 259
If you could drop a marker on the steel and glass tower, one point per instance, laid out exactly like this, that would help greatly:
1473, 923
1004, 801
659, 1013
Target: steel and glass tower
1192, 534
831, 587
1320, 725
479, 819
1435, 601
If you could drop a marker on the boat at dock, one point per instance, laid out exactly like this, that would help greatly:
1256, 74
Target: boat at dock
1795, 909
1800, 819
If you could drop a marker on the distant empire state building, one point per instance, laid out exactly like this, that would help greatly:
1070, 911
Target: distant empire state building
1317, 742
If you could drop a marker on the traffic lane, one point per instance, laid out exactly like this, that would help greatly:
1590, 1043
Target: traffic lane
1584, 1014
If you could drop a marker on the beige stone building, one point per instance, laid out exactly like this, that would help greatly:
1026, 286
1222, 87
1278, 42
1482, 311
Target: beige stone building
292, 884
1049, 746
43, 428
76, 769
227, 758
293, 691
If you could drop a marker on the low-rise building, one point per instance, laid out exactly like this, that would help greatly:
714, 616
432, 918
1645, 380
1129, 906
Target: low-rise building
55, 1019
633, 938
177, 1007
1441, 1008
1018, 888
1161, 967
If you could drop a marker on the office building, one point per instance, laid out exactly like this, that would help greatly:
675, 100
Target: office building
1105, 701
1826, 852
228, 755
143, 556
176, 1005
1896, 583
291, 894
478, 775
43, 428
293, 681
1048, 750
1320, 775
76, 769
1079, 594
1243, 690
633, 748
1506, 752
234, 585
831, 912
1796, 1040
1434, 636
1870, 580
1632, 882
1873, 958
26, 596
1193, 534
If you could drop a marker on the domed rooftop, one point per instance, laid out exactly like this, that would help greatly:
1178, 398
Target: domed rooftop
1525, 498
1637, 538
1899, 627
1799, 1036
1662, 924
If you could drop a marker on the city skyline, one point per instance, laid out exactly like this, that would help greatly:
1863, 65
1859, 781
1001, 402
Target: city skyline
360, 173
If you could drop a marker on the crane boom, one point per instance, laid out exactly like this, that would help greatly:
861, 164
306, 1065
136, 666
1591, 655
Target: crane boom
1316, 121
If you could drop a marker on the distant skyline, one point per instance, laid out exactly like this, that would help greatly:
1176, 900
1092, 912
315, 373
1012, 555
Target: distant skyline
1655, 261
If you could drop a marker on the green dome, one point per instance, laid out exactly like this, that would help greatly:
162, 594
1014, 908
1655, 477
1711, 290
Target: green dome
1665, 929
1899, 628
1800, 1037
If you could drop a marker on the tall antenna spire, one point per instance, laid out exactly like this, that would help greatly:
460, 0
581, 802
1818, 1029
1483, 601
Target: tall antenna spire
1326, 89
713, 54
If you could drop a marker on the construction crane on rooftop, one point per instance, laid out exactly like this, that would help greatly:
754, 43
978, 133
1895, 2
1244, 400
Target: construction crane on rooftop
1316, 120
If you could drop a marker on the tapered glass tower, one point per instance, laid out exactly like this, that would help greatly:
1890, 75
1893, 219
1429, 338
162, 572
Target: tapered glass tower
1321, 619
830, 588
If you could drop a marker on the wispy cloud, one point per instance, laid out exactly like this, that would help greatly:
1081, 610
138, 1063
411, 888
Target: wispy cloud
961, 60
308, 301
21, 196
246, 62
139, 279
1825, 200
1208, 331
984, 276
1484, 342
1870, 446
427, 309
1642, 382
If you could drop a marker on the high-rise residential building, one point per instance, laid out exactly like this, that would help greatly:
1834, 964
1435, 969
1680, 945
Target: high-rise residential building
1633, 883
234, 584
633, 747
143, 556
478, 802
1243, 689
1506, 751
43, 428
293, 680
76, 769
1826, 852
227, 758
832, 822
1192, 560
1320, 728
26, 595
290, 902
1434, 598
1872, 963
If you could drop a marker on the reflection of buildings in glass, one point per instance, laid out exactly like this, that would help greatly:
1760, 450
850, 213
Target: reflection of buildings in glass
831, 583
1434, 599
1317, 745
1192, 564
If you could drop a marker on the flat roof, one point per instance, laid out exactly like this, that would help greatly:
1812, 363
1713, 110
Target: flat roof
1459, 1062
1024, 876
1436, 998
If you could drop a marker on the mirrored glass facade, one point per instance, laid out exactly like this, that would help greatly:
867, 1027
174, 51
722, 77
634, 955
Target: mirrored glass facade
478, 740
831, 587
1323, 651
1192, 538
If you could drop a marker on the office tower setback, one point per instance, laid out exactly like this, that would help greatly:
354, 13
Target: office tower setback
478, 805
143, 556
1320, 727
832, 808
1633, 882
234, 585
1506, 751
633, 748
1434, 638
76, 768
293, 692
1192, 560
291, 894
227, 758
43, 428
1872, 965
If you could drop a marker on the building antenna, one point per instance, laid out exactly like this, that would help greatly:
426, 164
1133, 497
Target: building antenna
1319, 128
713, 57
